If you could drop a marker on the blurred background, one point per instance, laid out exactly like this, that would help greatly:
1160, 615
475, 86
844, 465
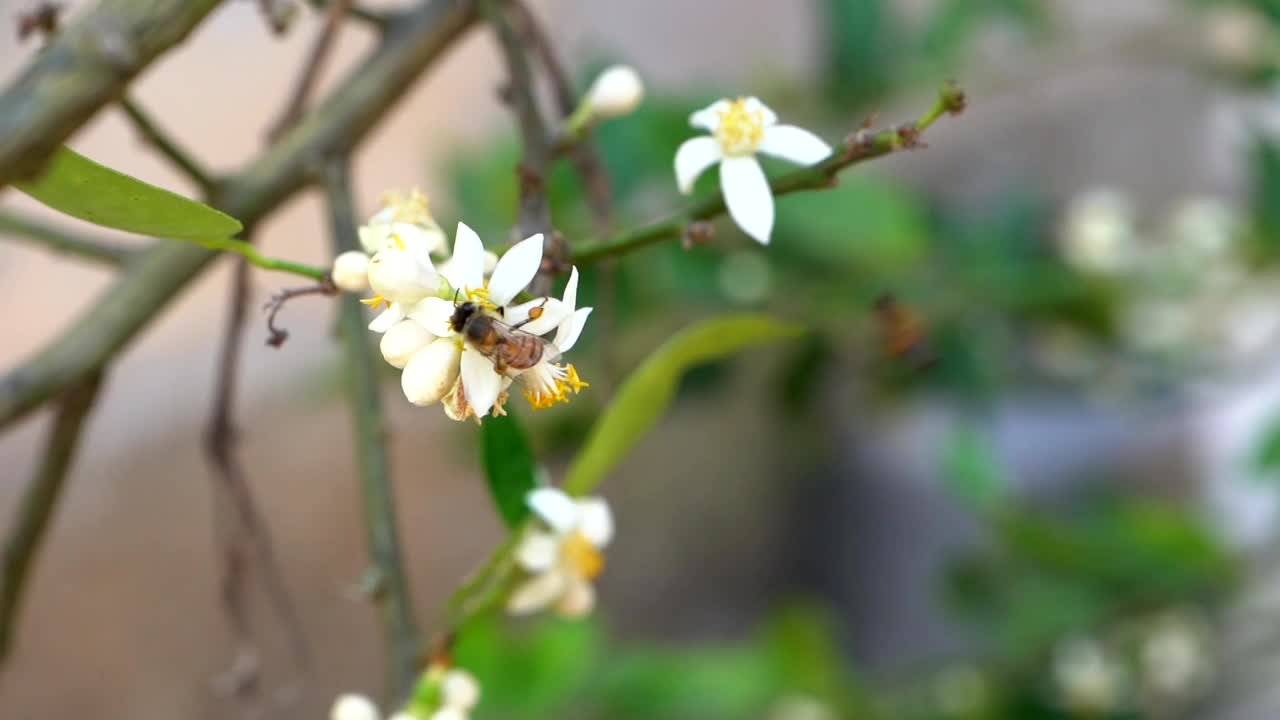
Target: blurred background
1024, 467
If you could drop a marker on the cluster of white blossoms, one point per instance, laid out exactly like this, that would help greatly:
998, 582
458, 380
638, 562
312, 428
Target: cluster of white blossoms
740, 129
468, 371
563, 559
444, 694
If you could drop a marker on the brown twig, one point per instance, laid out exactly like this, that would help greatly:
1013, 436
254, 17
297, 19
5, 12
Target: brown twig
244, 536
39, 502
316, 61
277, 335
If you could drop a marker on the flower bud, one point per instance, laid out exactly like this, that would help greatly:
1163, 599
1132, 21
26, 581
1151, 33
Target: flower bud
399, 277
353, 707
403, 341
351, 271
616, 92
431, 372
460, 689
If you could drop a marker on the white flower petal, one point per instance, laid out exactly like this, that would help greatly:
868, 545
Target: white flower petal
708, 118
795, 144
401, 277
460, 690
617, 91
693, 158
747, 194
370, 238
595, 521
571, 290
466, 267
351, 271
578, 599
479, 381
538, 551
402, 342
387, 319
515, 269
537, 593
353, 707
434, 313
767, 116
449, 713
555, 507
553, 313
431, 373
567, 336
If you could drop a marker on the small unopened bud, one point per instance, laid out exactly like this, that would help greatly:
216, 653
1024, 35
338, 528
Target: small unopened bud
460, 689
398, 276
353, 707
403, 341
351, 271
431, 372
616, 92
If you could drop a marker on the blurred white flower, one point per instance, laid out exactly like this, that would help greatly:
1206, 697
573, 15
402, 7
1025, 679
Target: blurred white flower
1238, 37
801, 707
354, 707
739, 129
1088, 679
744, 276
1175, 659
404, 222
563, 559
616, 92
1201, 230
1098, 232
459, 694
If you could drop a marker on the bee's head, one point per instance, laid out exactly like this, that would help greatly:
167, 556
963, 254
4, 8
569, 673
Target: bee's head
461, 313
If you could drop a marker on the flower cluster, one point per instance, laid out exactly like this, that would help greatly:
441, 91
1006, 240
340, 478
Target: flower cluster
454, 327
442, 694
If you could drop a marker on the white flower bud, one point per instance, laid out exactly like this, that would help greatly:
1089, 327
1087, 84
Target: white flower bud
460, 689
403, 341
353, 707
351, 271
399, 277
616, 92
431, 372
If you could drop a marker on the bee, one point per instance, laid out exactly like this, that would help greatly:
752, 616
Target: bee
903, 334
506, 345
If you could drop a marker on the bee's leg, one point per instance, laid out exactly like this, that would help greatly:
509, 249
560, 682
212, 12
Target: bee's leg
534, 314
500, 366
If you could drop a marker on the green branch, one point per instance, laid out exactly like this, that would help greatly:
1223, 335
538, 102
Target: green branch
172, 151
39, 502
402, 635
857, 148
102, 251
88, 65
247, 251
337, 125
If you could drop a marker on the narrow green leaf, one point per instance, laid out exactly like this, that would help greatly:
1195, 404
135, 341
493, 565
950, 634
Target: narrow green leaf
77, 186
508, 467
649, 390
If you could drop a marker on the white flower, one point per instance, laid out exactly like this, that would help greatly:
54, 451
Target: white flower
1099, 231
1088, 678
351, 271
403, 222
354, 707
739, 129
401, 278
616, 92
563, 560
459, 694
549, 382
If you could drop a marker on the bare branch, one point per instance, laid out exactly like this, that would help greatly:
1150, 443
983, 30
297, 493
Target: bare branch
113, 319
376, 19
169, 148
89, 64
316, 61
102, 251
403, 637
277, 335
37, 506
244, 536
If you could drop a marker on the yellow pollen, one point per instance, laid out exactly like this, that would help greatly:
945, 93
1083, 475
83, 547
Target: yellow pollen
574, 381
399, 242
740, 130
480, 296
582, 557
570, 383
375, 302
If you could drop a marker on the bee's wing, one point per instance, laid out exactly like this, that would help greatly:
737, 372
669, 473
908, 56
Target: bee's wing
550, 352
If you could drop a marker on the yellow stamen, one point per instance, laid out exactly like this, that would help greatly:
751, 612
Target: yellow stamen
574, 381
582, 557
399, 242
375, 302
740, 130
480, 296
570, 383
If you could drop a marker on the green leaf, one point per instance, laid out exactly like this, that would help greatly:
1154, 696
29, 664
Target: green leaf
648, 391
508, 467
1266, 457
79, 187
972, 470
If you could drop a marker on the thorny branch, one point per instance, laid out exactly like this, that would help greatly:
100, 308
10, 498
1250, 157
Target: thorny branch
402, 635
39, 501
316, 60
241, 531
102, 251
859, 147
